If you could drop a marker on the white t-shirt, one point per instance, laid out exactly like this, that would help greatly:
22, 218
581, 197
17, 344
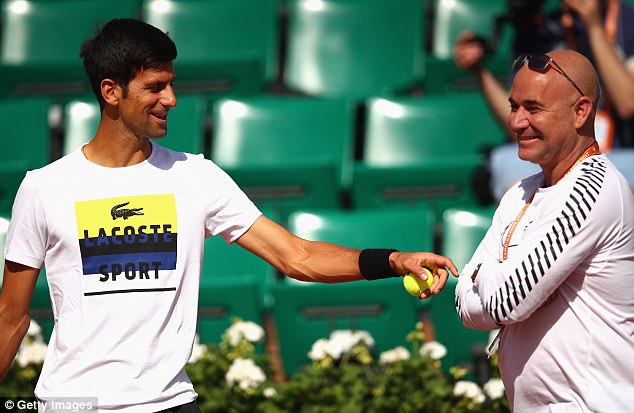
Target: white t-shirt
123, 251
565, 296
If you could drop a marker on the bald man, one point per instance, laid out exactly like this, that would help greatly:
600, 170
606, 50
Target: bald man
555, 271
602, 30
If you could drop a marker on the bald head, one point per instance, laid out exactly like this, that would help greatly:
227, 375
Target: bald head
568, 78
580, 71
553, 105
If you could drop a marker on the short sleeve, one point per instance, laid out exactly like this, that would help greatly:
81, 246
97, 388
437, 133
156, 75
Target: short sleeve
27, 236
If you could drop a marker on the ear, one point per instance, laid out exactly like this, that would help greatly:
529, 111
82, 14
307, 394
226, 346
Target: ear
583, 110
110, 91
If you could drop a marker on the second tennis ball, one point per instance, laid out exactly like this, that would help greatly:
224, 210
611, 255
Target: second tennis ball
415, 286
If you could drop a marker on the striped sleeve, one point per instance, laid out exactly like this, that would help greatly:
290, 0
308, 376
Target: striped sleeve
561, 240
467, 299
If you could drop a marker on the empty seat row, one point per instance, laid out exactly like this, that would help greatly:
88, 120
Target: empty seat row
315, 47
294, 152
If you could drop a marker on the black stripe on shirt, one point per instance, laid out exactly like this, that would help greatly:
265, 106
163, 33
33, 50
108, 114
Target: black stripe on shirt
577, 208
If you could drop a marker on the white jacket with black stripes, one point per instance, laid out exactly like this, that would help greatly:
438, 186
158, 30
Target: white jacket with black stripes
564, 297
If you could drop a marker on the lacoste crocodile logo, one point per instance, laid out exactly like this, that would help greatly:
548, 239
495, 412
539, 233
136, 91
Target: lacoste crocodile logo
124, 213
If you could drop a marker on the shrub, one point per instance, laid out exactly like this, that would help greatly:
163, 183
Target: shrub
343, 376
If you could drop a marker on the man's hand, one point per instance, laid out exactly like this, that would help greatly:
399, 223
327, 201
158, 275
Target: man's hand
404, 262
468, 52
588, 10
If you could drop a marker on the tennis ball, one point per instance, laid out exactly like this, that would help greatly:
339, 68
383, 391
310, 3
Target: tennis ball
415, 286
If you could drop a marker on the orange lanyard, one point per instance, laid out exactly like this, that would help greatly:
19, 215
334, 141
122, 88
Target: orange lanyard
592, 150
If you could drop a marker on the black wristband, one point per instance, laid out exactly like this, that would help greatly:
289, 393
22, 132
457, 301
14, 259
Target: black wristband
374, 264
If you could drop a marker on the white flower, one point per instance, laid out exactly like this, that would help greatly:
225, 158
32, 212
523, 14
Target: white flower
269, 392
31, 353
394, 355
334, 348
363, 337
197, 351
494, 388
433, 349
347, 339
325, 347
34, 329
318, 350
244, 329
340, 341
245, 373
343, 339
470, 390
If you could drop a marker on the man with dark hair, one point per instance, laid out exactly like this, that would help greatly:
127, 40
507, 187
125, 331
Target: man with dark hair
555, 269
119, 55
120, 225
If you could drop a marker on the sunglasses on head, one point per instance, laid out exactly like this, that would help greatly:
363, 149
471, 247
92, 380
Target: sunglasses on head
540, 63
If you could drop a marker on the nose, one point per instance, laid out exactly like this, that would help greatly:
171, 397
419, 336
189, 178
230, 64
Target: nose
518, 120
168, 98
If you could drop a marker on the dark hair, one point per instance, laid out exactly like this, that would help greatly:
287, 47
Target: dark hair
122, 48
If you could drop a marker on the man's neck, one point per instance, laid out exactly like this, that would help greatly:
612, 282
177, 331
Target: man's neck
117, 152
581, 152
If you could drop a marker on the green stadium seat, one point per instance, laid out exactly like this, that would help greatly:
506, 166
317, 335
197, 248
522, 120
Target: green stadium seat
303, 315
439, 184
223, 299
285, 152
424, 150
462, 231
234, 283
452, 17
186, 124
224, 46
41, 40
408, 130
25, 143
81, 120
354, 48
305, 312
409, 229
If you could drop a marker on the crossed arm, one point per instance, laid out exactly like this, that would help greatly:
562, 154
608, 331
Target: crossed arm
556, 246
